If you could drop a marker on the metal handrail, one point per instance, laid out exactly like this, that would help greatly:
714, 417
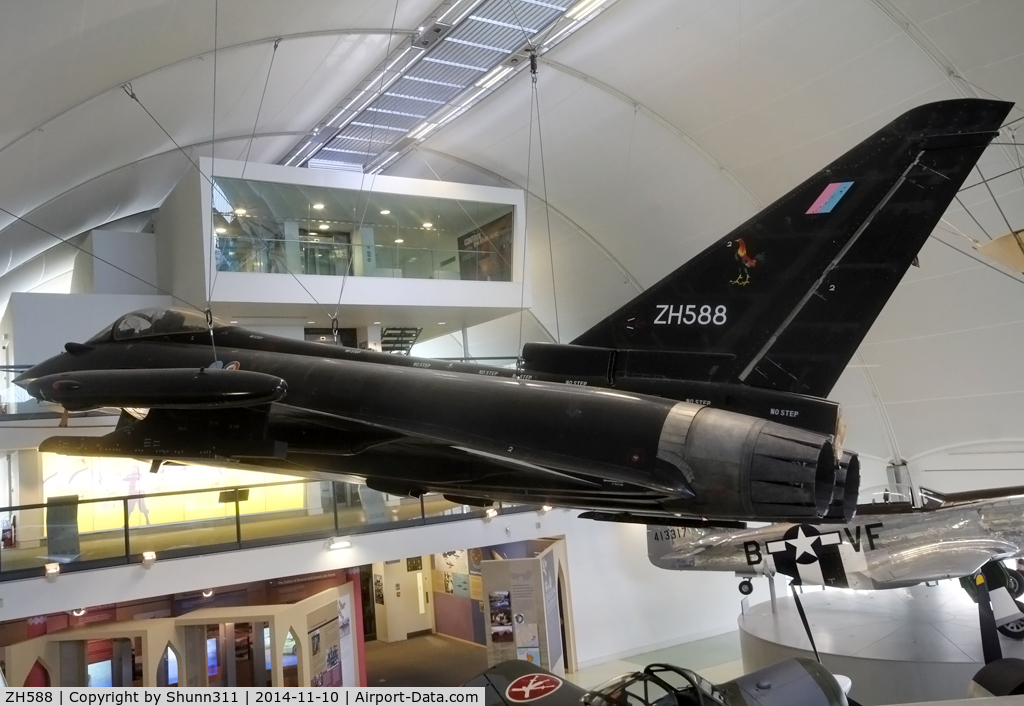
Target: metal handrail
128, 557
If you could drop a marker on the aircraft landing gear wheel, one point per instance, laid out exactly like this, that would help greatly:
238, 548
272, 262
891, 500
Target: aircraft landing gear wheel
1014, 630
746, 588
1015, 585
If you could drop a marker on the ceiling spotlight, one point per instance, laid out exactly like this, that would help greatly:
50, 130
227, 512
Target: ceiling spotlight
440, 323
78, 612
240, 211
428, 225
546, 508
310, 322
148, 558
399, 241
491, 512
221, 230
339, 543
318, 206
324, 226
233, 321
376, 323
385, 212
207, 593
52, 570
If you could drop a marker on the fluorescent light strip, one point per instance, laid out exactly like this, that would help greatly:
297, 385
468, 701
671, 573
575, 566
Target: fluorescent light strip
499, 73
472, 98
489, 21
430, 80
414, 98
381, 165
361, 139
477, 45
544, 4
337, 149
382, 127
331, 164
432, 60
298, 153
369, 86
396, 112
450, 9
569, 28
422, 130
583, 8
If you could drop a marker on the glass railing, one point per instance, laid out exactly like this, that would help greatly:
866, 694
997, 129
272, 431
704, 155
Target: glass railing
302, 257
93, 533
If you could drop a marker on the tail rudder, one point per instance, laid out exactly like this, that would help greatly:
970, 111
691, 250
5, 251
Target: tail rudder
673, 547
785, 299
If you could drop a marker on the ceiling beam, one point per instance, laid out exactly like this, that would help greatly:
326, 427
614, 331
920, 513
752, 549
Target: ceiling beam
202, 55
37, 208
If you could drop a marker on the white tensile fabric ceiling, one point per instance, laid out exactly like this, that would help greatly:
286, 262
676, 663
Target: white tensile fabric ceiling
665, 123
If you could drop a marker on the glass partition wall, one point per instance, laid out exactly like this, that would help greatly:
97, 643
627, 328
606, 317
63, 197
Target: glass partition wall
264, 227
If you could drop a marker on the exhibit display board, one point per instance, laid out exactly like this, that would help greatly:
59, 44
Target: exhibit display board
522, 610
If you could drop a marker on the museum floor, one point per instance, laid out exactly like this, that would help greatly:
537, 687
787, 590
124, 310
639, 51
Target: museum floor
435, 660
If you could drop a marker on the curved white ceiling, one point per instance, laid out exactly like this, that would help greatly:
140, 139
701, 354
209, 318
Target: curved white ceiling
664, 124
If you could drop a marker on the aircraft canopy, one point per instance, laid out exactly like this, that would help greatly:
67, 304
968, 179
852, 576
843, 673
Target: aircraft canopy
152, 322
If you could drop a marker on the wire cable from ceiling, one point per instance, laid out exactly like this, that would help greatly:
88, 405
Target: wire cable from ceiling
256, 122
526, 35
526, 232
213, 268
362, 180
67, 241
544, 187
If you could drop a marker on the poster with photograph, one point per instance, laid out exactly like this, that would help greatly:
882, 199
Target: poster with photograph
324, 660
460, 585
549, 581
378, 589
486, 253
526, 633
500, 604
347, 641
344, 621
455, 562
528, 654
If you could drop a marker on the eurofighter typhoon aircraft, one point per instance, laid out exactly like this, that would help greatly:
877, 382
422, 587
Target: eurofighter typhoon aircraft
703, 399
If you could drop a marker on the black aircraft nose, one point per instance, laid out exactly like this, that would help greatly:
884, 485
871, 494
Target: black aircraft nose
64, 362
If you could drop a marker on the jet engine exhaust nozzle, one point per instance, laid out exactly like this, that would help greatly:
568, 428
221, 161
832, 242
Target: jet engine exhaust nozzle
751, 467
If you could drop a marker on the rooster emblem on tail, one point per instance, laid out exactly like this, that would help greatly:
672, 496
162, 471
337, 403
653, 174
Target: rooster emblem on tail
747, 263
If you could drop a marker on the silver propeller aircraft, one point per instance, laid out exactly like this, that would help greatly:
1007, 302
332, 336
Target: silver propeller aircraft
889, 545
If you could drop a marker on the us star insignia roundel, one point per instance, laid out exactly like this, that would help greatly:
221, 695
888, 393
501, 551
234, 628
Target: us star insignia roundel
809, 557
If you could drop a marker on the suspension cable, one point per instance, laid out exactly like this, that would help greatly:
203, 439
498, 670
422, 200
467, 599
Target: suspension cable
362, 180
547, 207
256, 122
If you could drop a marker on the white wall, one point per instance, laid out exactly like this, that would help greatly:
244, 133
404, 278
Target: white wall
40, 324
133, 253
621, 604
181, 260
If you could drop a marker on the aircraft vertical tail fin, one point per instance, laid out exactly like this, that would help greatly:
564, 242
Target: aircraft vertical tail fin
784, 300
670, 547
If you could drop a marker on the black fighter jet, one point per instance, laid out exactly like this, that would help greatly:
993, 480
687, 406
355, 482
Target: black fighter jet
703, 399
